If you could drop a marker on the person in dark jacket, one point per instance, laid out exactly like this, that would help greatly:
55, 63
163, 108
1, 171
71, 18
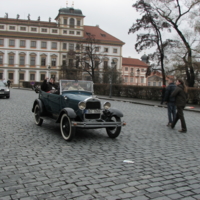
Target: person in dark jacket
8, 83
170, 101
49, 86
180, 94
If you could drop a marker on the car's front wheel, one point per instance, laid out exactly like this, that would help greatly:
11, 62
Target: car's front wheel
114, 132
38, 120
67, 131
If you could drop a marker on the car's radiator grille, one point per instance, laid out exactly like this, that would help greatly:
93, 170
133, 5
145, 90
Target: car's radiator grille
92, 116
2, 90
93, 105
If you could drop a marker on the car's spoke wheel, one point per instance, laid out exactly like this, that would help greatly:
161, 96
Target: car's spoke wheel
66, 129
38, 120
113, 132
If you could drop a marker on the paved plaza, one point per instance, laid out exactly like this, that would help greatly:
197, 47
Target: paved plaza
37, 163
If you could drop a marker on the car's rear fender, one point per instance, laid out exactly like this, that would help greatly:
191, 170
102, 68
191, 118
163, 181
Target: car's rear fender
39, 102
70, 113
115, 112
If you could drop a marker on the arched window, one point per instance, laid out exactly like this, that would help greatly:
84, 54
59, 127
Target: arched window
71, 22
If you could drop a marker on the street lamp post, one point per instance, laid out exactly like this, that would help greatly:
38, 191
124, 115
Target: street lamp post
112, 67
138, 72
19, 78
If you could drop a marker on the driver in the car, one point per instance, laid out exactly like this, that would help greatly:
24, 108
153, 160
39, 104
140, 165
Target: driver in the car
75, 86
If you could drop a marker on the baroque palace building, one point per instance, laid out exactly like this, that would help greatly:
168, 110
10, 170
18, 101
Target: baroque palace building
31, 50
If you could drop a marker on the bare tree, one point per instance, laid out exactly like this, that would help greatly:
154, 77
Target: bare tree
151, 22
89, 57
174, 12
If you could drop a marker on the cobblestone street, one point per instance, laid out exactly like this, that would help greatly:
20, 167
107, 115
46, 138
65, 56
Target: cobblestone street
37, 163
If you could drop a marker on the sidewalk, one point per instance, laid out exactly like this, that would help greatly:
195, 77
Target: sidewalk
189, 107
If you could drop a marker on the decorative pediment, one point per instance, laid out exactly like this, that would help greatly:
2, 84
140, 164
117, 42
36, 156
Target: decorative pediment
43, 55
22, 53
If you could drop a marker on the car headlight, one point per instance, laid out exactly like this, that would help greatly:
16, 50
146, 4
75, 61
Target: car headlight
106, 105
7, 90
82, 105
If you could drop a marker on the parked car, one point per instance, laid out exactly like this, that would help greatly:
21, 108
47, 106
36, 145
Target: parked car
76, 106
4, 90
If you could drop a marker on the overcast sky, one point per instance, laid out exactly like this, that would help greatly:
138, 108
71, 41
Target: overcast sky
113, 16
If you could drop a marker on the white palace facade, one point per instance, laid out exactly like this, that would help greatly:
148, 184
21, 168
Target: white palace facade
31, 50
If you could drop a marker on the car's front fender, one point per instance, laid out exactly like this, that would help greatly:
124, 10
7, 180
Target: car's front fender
116, 112
39, 102
70, 113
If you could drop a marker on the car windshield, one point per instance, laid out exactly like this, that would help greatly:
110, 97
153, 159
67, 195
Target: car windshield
2, 84
67, 85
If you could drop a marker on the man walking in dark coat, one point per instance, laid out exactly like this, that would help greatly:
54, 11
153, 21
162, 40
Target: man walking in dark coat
170, 101
180, 94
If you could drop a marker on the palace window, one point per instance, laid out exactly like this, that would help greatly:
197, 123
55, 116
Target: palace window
1, 26
78, 23
32, 77
33, 44
71, 32
22, 43
21, 60
105, 49
1, 42
21, 76
43, 61
42, 77
10, 76
54, 45
71, 23
114, 50
32, 61
43, 45
53, 62
1, 60
64, 45
71, 46
34, 29
44, 30
11, 42
65, 21
64, 31
22, 28
54, 31
11, 60
11, 27
78, 33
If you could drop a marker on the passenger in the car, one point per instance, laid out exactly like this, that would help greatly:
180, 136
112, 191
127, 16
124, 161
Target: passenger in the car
50, 86
75, 86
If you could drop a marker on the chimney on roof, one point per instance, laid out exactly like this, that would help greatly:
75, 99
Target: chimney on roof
97, 25
129, 56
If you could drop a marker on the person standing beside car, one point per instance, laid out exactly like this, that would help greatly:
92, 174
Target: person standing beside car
171, 108
8, 83
180, 94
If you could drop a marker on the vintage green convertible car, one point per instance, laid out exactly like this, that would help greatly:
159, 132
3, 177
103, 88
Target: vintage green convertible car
77, 107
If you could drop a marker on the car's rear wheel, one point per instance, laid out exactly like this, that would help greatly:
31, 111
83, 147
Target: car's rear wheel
114, 132
38, 120
67, 131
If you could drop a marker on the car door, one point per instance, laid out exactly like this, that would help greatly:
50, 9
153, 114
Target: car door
55, 104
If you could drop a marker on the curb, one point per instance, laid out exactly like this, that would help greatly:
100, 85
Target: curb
146, 104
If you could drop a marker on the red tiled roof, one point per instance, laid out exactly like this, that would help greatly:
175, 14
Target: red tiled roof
100, 34
133, 62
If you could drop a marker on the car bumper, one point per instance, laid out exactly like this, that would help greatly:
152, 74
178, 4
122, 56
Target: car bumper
4, 93
97, 124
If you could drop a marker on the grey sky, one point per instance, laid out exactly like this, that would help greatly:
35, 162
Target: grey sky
113, 16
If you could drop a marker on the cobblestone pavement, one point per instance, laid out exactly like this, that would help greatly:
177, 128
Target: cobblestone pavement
36, 163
